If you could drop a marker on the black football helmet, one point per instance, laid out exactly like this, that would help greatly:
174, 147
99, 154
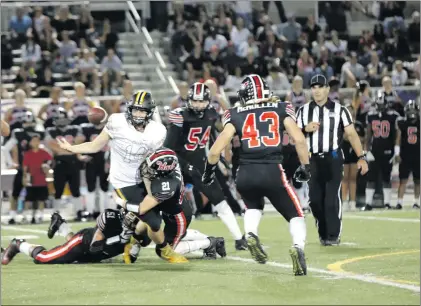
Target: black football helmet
412, 110
28, 120
381, 103
160, 163
199, 92
60, 118
253, 89
142, 100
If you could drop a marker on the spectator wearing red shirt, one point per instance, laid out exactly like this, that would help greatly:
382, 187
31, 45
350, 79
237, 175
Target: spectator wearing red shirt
35, 166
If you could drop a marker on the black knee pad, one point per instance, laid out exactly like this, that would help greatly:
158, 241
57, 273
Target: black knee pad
387, 184
37, 250
297, 184
152, 219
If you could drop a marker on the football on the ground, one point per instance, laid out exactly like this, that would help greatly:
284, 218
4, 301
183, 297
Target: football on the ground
97, 115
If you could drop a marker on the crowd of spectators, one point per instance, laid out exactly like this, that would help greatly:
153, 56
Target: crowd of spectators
234, 42
49, 46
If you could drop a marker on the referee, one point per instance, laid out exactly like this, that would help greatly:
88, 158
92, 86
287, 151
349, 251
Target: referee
324, 124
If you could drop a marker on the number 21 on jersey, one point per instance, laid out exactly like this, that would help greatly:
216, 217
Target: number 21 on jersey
251, 130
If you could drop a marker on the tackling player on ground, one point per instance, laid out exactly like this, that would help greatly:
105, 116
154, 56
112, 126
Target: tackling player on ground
132, 136
188, 135
164, 183
260, 123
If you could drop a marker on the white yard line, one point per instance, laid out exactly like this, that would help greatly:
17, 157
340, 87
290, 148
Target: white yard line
339, 275
409, 220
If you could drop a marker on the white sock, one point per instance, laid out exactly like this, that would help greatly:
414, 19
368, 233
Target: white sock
252, 220
387, 192
352, 205
185, 247
77, 204
227, 216
369, 194
12, 214
26, 248
90, 201
301, 197
58, 204
400, 201
192, 235
298, 230
103, 201
64, 229
242, 204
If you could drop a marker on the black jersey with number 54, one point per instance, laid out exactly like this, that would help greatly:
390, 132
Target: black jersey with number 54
260, 128
188, 134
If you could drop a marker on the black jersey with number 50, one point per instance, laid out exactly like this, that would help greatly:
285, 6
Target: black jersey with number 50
260, 128
188, 134
384, 127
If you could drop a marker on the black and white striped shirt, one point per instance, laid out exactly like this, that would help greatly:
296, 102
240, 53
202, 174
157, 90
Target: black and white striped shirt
333, 118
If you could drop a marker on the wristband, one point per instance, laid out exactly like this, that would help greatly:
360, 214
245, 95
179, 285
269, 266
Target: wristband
397, 150
133, 208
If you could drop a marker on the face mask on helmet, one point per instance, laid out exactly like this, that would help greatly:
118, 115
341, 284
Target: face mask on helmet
412, 110
139, 116
199, 98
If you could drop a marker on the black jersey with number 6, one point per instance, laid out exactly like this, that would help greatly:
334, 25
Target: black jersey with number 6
410, 137
260, 128
188, 134
384, 128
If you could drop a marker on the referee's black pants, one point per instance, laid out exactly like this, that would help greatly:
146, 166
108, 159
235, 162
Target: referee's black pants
325, 201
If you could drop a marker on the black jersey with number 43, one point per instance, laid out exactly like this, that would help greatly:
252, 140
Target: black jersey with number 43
189, 134
260, 128
384, 128
410, 137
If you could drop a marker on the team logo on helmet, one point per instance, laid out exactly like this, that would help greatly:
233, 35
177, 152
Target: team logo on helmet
163, 166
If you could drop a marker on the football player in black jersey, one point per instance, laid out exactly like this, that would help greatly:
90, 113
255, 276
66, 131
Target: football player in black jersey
19, 144
67, 165
14, 116
96, 168
409, 152
163, 179
349, 181
382, 134
260, 124
51, 108
188, 135
89, 245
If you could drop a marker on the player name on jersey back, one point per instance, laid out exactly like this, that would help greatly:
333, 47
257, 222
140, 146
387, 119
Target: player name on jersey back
130, 147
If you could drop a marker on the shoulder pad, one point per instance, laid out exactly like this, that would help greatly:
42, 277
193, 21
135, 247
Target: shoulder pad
16, 132
289, 110
226, 117
176, 116
107, 216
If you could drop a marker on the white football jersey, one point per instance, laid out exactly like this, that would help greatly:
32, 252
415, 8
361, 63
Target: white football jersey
130, 147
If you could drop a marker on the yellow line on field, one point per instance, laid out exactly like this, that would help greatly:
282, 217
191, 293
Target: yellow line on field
337, 266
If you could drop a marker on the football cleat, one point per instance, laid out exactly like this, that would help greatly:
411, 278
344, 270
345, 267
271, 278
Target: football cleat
367, 207
387, 206
11, 251
256, 249
241, 244
210, 252
220, 247
299, 265
168, 254
398, 206
416, 206
332, 242
56, 221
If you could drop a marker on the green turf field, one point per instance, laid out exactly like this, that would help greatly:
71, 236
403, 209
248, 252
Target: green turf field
378, 263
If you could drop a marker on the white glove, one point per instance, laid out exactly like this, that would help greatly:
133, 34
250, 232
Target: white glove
370, 157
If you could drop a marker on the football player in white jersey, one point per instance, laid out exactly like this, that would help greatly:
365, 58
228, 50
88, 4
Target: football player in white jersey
132, 136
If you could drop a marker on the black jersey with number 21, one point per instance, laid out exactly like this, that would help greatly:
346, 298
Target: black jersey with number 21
260, 128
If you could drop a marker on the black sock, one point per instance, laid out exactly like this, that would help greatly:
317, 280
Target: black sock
162, 245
